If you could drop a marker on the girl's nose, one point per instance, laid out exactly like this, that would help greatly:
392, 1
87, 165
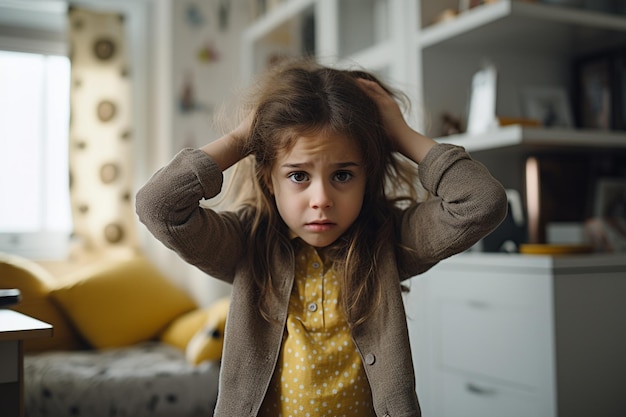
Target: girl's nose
320, 196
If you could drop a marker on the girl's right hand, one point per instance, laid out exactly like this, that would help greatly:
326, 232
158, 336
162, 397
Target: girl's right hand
241, 134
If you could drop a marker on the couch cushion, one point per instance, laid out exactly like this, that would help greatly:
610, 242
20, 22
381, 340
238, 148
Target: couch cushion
34, 283
180, 331
120, 303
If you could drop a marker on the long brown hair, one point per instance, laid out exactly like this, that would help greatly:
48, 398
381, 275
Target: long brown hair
302, 98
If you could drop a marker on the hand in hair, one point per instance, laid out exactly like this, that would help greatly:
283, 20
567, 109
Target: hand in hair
405, 140
231, 148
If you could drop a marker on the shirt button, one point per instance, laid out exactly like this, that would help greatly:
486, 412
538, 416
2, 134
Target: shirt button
315, 265
370, 359
312, 307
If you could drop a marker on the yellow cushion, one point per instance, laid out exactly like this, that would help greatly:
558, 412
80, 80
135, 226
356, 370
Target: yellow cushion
179, 332
200, 333
120, 303
34, 283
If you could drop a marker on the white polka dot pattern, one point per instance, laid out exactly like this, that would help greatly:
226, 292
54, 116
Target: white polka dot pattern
319, 372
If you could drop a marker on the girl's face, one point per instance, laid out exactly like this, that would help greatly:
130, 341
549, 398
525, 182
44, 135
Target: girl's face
319, 186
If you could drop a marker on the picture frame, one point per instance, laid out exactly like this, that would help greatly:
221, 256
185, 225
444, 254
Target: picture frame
550, 106
482, 103
610, 196
619, 90
594, 97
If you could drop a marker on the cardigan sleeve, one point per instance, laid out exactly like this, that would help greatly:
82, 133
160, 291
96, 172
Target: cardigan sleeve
466, 204
169, 206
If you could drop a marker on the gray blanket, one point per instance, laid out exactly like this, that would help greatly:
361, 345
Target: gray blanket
151, 379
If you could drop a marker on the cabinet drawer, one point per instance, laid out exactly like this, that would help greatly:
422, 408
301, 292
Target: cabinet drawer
490, 339
464, 396
494, 333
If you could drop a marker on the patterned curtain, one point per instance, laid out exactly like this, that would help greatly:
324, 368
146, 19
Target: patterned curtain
100, 132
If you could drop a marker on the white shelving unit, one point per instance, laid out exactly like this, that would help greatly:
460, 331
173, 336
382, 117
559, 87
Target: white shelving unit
532, 45
371, 34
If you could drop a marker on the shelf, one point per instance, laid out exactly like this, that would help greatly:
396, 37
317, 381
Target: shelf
373, 58
598, 261
516, 135
275, 18
516, 24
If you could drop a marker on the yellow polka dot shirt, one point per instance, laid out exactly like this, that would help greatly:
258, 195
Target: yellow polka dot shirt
319, 371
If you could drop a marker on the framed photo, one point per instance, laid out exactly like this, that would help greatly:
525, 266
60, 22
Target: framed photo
548, 105
619, 90
594, 92
610, 197
482, 104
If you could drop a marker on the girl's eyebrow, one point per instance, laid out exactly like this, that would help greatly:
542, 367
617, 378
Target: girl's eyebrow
338, 165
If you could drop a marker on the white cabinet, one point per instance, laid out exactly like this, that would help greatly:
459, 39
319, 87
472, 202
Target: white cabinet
512, 335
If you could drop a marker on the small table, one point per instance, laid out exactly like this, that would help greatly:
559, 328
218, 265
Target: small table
14, 329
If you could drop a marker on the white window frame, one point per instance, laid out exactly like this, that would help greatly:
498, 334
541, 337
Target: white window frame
150, 58
31, 31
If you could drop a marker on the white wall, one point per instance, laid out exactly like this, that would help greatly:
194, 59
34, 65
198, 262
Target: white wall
180, 31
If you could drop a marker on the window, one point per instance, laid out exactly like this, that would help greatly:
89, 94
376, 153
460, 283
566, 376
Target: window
35, 214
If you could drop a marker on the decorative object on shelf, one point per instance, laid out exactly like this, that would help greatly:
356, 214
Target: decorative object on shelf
451, 125
619, 90
482, 106
208, 53
607, 229
554, 249
521, 121
557, 187
465, 5
223, 14
308, 35
610, 198
600, 82
446, 15
194, 16
548, 105
604, 6
568, 3
593, 94
187, 102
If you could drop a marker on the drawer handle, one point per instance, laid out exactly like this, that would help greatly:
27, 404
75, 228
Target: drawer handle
479, 390
478, 304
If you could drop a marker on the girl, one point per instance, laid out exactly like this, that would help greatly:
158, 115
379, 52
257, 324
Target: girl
317, 253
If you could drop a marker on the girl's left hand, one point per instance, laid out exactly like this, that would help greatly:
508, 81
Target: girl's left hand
405, 140
392, 117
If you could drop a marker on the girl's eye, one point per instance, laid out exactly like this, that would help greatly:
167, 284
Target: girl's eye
343, 176
298, 177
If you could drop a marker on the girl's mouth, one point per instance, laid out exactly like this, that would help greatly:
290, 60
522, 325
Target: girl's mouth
321, 226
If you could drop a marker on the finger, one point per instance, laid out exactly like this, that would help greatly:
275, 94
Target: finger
371, 87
